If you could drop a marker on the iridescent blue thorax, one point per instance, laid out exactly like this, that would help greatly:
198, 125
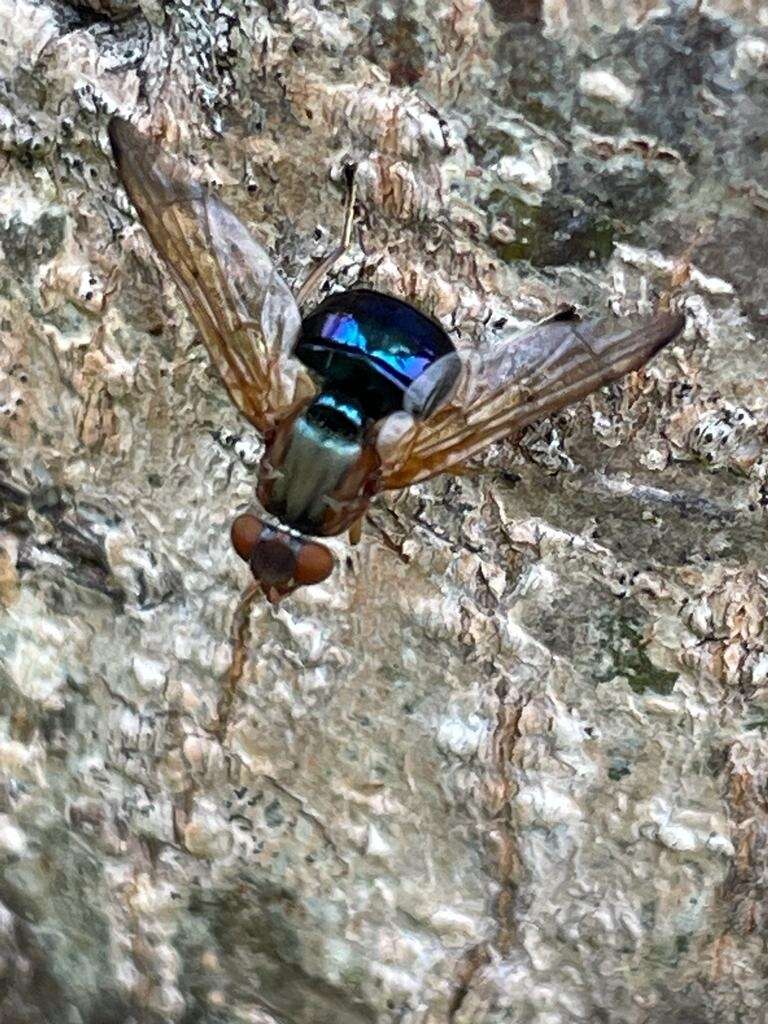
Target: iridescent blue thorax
367, 351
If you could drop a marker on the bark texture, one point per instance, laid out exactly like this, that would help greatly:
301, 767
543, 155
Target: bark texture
509, 765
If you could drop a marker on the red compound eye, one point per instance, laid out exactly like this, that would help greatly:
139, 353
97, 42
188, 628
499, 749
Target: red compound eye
314, 563
245, 531
279, 561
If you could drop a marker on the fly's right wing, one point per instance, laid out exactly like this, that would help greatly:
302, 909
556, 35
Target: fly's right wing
244, 311
547, 367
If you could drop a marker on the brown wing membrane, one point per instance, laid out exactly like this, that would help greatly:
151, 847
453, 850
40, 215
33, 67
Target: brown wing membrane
531, 376
244, 311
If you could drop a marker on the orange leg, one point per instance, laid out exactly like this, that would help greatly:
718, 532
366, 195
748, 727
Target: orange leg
356, 530
322, 269
464, 469
241, 631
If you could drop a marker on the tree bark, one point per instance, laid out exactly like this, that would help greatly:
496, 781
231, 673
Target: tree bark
508, 764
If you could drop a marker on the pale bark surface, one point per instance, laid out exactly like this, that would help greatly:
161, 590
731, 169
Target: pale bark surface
509, 764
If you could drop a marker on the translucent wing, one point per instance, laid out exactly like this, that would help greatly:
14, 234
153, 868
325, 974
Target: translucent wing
244, 311
540, 371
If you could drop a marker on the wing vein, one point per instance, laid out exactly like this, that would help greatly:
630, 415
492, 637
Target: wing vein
533, 375
244, 312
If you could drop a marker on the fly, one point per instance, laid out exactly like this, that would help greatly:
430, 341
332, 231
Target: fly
363, 394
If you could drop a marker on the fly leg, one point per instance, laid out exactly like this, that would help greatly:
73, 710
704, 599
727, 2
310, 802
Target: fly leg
323, 268
356, 530
465, 468
241, 634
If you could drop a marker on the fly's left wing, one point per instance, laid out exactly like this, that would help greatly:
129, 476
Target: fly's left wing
531, 376
244, 311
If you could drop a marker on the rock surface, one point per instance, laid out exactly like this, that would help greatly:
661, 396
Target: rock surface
509, 764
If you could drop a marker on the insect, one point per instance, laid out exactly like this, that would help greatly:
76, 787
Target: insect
365, 393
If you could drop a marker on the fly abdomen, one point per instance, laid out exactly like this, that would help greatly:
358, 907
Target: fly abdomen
376, 347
